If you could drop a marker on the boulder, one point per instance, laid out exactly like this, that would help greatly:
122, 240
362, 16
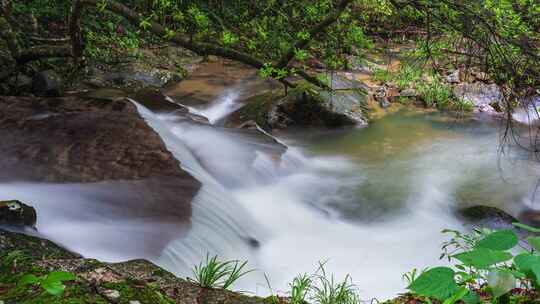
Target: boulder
408, 93
47, 83
155, 67
321, 109
487, 216
479, 93
17, 214
309, 107
346, 81
108, 148
453, 78
153, 99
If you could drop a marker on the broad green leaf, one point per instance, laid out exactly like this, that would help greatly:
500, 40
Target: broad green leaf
471, 298
437, 282
458, 295
60, 276
534, 242
483, 258
525, 261
535, 269
55, 288
526, 227
501, 282
499, 240
28, 279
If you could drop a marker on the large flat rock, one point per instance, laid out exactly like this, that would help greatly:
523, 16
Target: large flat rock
121, 164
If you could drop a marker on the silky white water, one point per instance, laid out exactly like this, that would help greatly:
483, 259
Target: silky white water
293, 209
221, 107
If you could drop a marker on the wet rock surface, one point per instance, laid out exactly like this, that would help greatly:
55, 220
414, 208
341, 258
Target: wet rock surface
487, 216
107, 146
79, 140
211, 79
16, 213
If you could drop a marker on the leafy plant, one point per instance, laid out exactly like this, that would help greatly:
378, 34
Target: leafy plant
485, 265
329, 291
52, 283
300, 287
213, 273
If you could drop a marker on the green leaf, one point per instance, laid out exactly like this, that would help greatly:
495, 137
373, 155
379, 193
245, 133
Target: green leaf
525, 261
458, 295
535, 269
534, 242
471, 298
437, 282
28, 279
55, 288
526, 227
499, 240
501, 281
483, 258
60, 276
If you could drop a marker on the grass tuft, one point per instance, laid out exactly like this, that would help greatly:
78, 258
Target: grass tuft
212, 273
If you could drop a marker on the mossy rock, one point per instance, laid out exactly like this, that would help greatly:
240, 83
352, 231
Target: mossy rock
136, 280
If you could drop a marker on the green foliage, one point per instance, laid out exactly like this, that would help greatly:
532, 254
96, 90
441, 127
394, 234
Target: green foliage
299, 288
486, 265
499, 240
277, 73
52, 282
437, 282
213, 273
431, 89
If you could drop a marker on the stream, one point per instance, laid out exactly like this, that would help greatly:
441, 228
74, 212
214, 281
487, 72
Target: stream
370, 202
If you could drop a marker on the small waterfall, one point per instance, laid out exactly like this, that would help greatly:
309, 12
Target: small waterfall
224, 105
215, 228
278, 215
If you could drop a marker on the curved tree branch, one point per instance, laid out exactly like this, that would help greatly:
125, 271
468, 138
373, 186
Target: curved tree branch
202, 48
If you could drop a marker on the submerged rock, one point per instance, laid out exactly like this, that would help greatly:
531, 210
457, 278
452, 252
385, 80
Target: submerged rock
17, 213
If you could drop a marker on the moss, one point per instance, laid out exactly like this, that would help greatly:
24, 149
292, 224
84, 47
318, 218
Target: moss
134, 290
257, 108
34, 247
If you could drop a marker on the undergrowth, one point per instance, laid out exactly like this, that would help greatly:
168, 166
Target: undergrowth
431, 89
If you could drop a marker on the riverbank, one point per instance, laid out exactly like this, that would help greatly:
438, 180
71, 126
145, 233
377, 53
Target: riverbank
136, 281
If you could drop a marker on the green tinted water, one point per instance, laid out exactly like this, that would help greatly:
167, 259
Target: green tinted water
413, 159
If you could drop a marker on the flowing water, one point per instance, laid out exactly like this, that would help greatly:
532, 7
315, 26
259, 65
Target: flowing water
370, 202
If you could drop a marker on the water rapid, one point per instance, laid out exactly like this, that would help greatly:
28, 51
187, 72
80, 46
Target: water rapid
369, 202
